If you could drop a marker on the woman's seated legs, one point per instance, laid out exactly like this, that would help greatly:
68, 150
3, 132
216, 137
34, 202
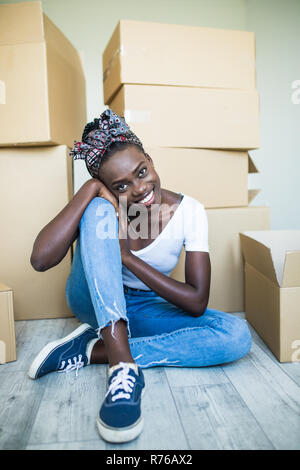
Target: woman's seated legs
161, 333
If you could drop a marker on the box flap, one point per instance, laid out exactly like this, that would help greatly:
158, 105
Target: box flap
21, 23
291, 271
61, 44
251, 166
279, 243
252, 193
258, 255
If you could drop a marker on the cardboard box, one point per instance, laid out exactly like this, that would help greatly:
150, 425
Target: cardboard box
8, 351
218, 178
35, 185
272, 273
42, 94
166, 54
227, 266
167, 116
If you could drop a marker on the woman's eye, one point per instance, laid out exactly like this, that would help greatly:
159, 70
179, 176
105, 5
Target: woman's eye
143, 170
120, 188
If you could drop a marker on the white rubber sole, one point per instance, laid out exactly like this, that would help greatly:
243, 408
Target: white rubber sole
119, 435
116, 435
50, 346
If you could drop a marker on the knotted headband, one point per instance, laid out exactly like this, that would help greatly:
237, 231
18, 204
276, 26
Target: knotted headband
98, 136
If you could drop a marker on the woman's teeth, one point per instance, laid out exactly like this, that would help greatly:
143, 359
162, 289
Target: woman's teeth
147, 198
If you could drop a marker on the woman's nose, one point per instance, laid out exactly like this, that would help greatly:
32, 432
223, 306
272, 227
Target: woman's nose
139, 189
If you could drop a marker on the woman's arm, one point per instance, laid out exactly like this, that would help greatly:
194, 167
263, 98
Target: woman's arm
192, 296
55, 239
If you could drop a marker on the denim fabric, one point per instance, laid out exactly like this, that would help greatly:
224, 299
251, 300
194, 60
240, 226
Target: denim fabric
160, 333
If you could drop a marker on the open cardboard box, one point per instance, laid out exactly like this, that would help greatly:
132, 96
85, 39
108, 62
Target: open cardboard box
148, 53
42, 84
272, 274
8, 351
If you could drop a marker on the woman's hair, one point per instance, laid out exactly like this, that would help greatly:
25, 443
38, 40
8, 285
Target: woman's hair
101, 138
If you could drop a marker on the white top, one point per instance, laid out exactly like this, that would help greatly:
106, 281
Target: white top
188, 226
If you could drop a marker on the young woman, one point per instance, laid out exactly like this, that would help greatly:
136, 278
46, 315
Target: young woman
133, 314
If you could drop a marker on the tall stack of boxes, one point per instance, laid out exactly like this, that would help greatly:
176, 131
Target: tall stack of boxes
42, 112
189, 94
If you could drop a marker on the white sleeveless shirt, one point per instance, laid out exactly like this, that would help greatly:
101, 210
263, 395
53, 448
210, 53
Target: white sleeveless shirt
187, 227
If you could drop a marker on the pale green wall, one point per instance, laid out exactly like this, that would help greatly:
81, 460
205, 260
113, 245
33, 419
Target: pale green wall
89, 24
276, 24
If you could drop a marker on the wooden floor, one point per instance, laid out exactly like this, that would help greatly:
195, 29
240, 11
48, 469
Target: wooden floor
253, 403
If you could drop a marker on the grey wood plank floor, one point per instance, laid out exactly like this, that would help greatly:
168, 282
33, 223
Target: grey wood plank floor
250, 404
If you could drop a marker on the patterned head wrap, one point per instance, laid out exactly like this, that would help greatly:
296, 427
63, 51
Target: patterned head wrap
98, 136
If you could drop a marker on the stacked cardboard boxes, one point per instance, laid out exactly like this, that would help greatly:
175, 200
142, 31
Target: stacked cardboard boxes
189, 94
42, 112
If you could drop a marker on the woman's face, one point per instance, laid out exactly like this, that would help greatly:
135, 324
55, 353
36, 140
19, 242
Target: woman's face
131, 173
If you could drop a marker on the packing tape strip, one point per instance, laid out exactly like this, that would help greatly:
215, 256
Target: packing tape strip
135, 116
120, 51
2, 92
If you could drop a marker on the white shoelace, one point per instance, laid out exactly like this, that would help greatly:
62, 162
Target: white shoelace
122, 381
76, 365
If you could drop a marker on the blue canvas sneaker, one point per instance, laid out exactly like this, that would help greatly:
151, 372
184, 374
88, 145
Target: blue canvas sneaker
64, 355
120, 417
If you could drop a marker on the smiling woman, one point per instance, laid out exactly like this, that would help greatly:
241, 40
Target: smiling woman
133, 314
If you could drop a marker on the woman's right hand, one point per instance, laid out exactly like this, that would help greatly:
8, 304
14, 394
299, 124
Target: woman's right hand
103, 191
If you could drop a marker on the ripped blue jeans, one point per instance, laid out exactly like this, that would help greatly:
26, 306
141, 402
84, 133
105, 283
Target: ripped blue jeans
160, 333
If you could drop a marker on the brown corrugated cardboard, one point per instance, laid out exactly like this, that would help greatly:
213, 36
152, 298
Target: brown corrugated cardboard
166, 54
216, 178
272, 274
227, 277
8, 351
35, 184
167, 116
40, 74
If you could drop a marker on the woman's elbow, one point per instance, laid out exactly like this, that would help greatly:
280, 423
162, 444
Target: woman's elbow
37, 263
198, 313
200, 308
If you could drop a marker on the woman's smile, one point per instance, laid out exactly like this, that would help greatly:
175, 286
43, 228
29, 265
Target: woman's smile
148, 199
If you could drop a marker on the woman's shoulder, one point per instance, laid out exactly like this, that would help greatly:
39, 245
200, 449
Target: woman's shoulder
189, 205
170, 197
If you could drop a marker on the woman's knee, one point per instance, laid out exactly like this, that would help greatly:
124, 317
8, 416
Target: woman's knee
100, 213
239, 336
97, 205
